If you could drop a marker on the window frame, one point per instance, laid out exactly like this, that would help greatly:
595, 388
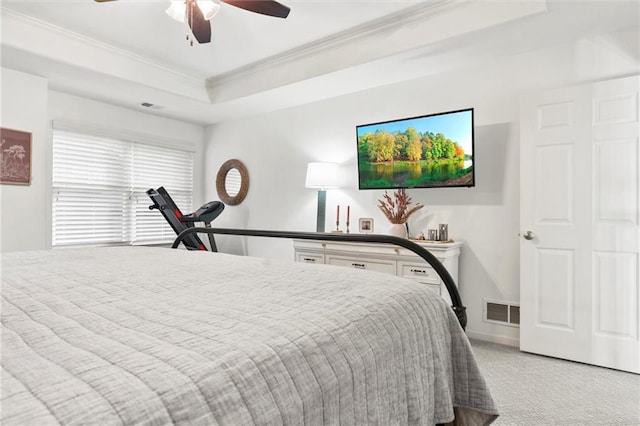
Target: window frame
131, 139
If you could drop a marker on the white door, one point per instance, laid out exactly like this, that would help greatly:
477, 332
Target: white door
579, 215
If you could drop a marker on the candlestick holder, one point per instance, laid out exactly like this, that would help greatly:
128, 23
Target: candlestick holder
347, 227
337, 231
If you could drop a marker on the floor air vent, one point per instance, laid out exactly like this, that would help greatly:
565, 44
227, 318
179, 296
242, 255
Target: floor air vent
502, 312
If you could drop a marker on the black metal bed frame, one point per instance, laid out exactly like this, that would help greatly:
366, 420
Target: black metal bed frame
456, 301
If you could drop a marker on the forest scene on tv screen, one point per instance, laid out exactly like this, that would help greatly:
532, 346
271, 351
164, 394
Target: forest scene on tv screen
428, 151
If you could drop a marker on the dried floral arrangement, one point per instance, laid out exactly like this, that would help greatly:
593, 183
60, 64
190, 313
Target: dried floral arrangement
397, 208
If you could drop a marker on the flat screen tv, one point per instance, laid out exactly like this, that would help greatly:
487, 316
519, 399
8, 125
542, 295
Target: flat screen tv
429, 151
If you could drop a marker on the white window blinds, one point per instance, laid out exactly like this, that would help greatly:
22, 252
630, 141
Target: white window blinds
99, 189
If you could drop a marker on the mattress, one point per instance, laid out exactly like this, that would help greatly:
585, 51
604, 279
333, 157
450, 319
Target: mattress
140, 335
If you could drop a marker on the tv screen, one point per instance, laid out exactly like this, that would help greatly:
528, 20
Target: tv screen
428, 151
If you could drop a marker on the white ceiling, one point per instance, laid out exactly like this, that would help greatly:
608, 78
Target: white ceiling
129, 51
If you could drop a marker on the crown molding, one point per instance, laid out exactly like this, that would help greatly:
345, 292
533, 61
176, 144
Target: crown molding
377, 43
407, 30
95, 45
361, 33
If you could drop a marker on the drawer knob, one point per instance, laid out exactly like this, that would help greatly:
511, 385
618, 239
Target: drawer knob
308, 259
358, 265
419, 271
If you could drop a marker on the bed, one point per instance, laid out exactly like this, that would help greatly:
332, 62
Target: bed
140, 335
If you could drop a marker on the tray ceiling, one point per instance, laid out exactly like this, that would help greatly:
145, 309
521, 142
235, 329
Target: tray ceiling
129, 51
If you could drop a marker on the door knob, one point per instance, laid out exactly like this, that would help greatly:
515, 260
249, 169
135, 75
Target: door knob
528, 235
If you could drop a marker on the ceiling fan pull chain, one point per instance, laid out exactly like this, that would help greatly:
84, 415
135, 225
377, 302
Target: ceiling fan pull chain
189, 20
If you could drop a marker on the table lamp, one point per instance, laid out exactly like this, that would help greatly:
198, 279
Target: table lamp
322, 176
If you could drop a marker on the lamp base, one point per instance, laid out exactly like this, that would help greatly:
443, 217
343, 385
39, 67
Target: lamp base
322, 206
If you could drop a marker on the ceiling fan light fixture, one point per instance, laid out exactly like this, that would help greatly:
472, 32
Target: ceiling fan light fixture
177, 10
208, 8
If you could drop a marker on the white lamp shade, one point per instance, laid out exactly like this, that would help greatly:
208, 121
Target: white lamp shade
322, 175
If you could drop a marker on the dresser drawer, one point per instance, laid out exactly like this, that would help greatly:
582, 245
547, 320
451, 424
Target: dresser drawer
382, 257
388, 267
309, 257
419, 272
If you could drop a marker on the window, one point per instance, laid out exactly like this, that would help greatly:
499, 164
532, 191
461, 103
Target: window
99, 189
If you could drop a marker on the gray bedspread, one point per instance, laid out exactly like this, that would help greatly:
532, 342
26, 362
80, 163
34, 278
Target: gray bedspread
137, 335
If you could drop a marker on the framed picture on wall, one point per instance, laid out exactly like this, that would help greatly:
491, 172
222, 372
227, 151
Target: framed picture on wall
365, 225
15, 157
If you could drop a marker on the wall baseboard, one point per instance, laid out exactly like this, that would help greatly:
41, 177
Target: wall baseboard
502, 340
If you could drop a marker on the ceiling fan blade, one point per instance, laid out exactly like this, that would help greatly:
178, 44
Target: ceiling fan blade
200, 27
103, 1
264, 7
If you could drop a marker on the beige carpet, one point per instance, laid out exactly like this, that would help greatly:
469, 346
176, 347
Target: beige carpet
536, 390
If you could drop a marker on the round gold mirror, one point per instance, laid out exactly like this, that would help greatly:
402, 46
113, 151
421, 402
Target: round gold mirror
232, 182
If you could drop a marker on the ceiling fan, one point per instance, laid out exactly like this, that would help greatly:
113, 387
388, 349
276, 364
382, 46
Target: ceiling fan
198, 13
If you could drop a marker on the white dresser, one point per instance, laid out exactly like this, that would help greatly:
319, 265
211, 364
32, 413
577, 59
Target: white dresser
384, 258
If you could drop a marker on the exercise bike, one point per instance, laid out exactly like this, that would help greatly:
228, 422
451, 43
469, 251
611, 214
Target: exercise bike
179, 222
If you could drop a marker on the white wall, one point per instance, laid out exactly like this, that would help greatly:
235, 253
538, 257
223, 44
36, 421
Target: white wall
28, 105
149, 128
276, 148
23, 214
